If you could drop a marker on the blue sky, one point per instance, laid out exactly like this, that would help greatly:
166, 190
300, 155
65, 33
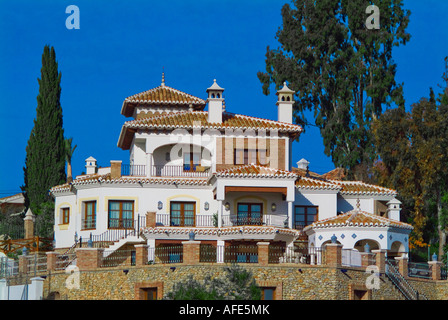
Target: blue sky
122, 46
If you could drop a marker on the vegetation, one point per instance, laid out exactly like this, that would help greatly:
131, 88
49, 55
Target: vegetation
413, 150
341, 71
237, 284
45, 152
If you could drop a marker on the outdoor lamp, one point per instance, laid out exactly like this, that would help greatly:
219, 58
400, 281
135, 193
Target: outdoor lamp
159, 205
273, 207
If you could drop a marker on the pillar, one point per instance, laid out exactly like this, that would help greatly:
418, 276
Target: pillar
290, 215
263, 253
52, 258
151, 219
29, 224
89, 258
220, 248
436, 267
403, 265
220, 208
191, 252
115, 169
141, 254
380, 256
333, 255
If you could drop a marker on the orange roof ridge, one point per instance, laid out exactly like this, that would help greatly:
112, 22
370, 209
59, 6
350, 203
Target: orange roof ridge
144, 93
254, 170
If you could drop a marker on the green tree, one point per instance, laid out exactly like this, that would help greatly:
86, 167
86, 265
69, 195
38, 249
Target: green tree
413, 147
45, 152
237, 284
341, 71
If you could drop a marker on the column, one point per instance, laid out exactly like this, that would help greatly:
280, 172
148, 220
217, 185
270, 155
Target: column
436, 267
403, 265
89, 258
191, 252
290, 215
52, 258
36, 289
333, 255
263, 253
220, 208
149, 165
220, 247
141, 254
380, 256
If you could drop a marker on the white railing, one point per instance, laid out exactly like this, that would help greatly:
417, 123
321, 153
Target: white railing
209, 220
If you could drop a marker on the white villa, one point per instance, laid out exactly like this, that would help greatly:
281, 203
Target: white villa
222, 178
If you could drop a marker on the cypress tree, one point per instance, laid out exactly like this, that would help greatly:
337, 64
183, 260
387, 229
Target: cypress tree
45, 152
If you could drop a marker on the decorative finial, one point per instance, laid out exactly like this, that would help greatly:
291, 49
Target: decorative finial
163, 78
358, 205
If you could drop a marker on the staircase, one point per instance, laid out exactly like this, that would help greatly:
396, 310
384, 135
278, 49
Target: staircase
111, 239
402, 284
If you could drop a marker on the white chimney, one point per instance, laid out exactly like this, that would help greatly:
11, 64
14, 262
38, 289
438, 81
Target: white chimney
284, 104
90, 165
393, 210
303, 164
215, 103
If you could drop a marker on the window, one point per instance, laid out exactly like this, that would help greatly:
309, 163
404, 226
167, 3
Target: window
191, 161
121, 214
249, 214
89, 221
304, 215
65, 215
182, 214
268, 293
248, 156
149, 293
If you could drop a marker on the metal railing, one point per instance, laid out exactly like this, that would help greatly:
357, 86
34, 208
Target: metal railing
165, 254
65, 260
88, 224
179, 171
138, 170
115, 258
401, 283
8, 267
419, 270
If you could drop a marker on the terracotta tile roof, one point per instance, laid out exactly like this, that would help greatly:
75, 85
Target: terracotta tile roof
361, 188
106, 179
193, 119
357, 218
254, 171
309, 183
230, 120
161, 95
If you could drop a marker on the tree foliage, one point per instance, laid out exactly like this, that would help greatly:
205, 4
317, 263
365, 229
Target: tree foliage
45, 152
340, 70
237, 284
413, 150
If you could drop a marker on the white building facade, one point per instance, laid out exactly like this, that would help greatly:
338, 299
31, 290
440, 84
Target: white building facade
226, 178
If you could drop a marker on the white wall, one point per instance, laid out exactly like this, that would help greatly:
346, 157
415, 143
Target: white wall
324, 199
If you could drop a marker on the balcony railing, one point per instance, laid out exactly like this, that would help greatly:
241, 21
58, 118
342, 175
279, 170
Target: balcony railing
209, 220
88, 224
179, 171
138, 170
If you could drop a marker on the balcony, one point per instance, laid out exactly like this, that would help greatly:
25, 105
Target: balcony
170, 171
209, 220
180, 171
